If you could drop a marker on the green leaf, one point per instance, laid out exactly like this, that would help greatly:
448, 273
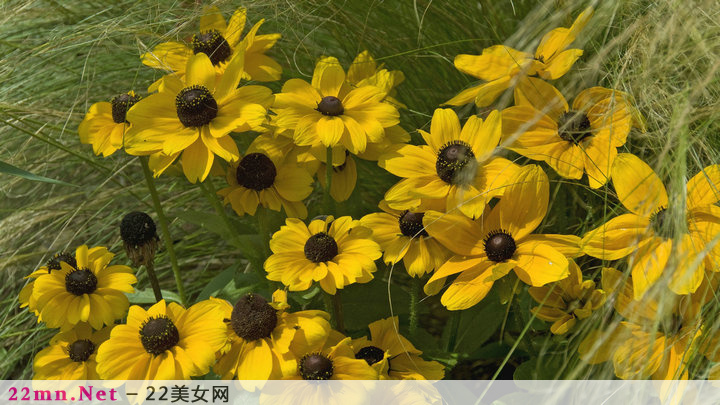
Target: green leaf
539, 369
366, 303
217, 283
15, 171
479, 323
146, 296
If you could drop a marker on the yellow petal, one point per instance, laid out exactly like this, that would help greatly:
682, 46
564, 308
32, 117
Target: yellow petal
458, 233
542, 96
524, 203
638, 187
212, 20
197, 161
616, 238
649, 265
539, 264
495, 62
704, 187
200, 71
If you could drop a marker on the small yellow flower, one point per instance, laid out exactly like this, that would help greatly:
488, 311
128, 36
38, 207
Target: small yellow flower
71, 355
364, 70
567, 300
105, 124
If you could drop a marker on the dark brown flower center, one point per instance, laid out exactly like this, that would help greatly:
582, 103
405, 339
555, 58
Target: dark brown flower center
159, 334
195, 106
80, 281
574, 126
54, 262
137, 229
120, 105
330, 105
81, 350
315, 366
212, 44
499, 246
253, 318
256, 171
411, 224
321, 247
371, 354
456, 163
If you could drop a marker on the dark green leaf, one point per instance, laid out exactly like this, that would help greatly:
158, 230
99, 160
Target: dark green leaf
15, 171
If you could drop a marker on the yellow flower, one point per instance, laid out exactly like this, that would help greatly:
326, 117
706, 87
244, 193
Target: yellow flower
456, 169
401, 236
652, 341
264, 176
26, 297
71, 355
334, 252
364, 70
93, 292
574, 141
262, 336
329, 111
502, 67
567, 300
336, 362
646, 232
104, 125
393, 356
166, 342
221, 42
501, 240
194, 116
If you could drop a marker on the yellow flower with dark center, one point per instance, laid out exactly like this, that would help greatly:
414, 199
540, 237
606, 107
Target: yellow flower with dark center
647, 236
71, 355
92, 292
330, 112
393, 356
334, 252
166, 342
194, 117
263, 336
26, 297
336, 362
401, 236
574, 141
567, 300
221, 41
502, 67
265, 176
455, 170
105, 124
500, 241
650, 340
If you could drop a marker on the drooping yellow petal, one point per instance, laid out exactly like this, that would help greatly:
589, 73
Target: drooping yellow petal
616, 238
212, 19
200, 71
649, 265
524, 203
539, 264
638, 187
458, 233
494, 63
542, 96
704, 187
197, 161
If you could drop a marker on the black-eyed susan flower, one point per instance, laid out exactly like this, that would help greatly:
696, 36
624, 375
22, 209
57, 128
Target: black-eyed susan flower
364, 70
455, 170
337, 362
266, 176
502, 67
139, 236
574, 141
71, 354
645, 233
650, 339
401, 236
221, 41
166, 342
263, 336
500, 241
105, 124
26, 297
194, 116
330, 112
567, 301
393, 356
333, 252
92, 292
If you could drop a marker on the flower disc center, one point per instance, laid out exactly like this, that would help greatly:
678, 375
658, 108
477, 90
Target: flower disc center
195, 106
456, 163
320, 247
371, 354
256, 171
120, 105
137, 229
253, 318
159, 334
315, 367
499, 246
574, 126
80, 281
81, 350
54, 262
330, 105
212, 44
411, 224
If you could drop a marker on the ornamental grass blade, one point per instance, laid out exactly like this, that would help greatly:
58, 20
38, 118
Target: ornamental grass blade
15, 171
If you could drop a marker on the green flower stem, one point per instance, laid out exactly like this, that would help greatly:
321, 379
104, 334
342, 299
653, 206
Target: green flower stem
150, 267
333, 306
415, 287
163, 222
328, 182
454, 326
